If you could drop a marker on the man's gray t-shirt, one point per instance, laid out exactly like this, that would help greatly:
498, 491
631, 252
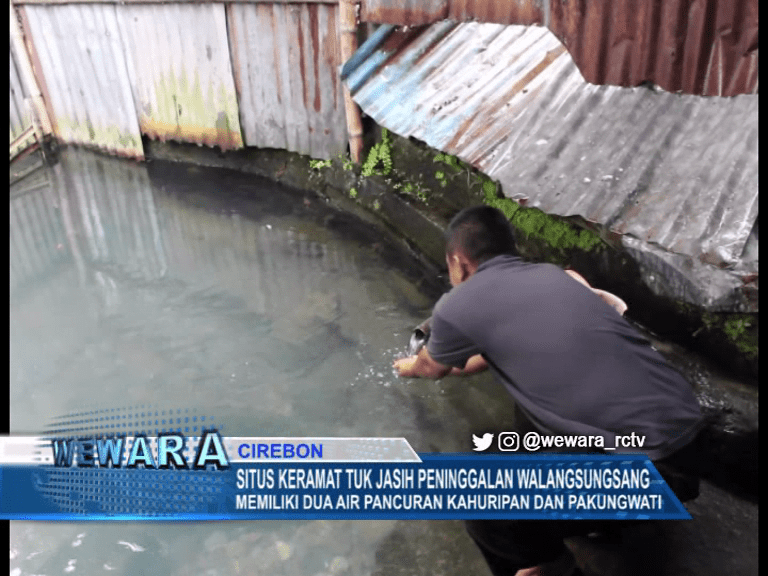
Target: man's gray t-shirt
572, 363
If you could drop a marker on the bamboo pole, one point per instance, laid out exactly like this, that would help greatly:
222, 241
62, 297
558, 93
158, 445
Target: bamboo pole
348, 45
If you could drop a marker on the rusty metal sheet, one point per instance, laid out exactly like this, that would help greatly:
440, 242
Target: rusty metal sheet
82, 61
416, 12
676, 171
286, 60
403, 12
706, 47
498, 11
179, 61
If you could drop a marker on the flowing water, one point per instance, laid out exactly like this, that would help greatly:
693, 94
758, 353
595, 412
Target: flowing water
175, 287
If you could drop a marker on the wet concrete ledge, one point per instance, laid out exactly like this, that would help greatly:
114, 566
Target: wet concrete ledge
724, 373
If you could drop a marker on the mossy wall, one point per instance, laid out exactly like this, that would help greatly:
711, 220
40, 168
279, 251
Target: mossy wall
410, 192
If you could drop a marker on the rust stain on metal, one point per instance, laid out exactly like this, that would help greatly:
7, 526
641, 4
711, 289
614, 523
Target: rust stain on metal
404, 12
497, 11
705, 47
287, 57
212, 136
505, 96
314, 32
275, 48
679, 171
302, 70
332, 58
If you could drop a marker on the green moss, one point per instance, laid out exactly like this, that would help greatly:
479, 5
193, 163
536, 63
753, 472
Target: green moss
736, 328
536, 224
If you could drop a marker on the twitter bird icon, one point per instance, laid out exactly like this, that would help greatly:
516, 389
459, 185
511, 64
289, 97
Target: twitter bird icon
482, 443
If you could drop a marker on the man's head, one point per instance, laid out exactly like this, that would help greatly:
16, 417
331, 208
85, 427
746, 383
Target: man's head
475, 235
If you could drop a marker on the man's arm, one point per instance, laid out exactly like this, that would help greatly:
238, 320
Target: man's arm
611, 299
474, 365
421, 366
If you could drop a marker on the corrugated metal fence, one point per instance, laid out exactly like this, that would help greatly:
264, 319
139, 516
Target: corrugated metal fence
703, 47
252, 73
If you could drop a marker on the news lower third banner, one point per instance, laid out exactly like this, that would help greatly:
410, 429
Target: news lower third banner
173, 477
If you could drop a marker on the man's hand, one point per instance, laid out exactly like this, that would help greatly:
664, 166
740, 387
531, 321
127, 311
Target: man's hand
420, 366
404, 366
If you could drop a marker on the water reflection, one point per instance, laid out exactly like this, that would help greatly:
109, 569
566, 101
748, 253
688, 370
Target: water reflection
177, 286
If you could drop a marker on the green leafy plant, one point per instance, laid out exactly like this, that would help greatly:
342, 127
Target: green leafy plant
380, 154
319, 164
353, 192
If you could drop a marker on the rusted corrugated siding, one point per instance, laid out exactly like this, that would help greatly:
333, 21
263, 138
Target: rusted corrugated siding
20, 118
677, 171
403, 12
179, 60
706, 47
286, 60
415, 12
497, 11
81, 56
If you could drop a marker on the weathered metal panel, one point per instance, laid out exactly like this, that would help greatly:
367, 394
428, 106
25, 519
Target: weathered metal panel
676, 171
403, 12
704, 47
415, 12
498, 11
179, 61
82, 61
286, 60
20, 113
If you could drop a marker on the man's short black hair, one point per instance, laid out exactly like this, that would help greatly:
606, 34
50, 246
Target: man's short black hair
480, 233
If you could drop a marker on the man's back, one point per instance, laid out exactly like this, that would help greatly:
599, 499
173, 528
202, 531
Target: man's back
572, 363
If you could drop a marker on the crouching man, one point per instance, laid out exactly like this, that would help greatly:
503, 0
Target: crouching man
569, 359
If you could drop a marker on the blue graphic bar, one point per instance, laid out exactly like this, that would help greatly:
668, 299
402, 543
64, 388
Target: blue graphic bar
440, 486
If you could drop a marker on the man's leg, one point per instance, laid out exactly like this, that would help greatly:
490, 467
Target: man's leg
512, 545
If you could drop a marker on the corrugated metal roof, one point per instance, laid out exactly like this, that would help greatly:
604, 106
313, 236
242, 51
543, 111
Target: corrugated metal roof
81, 56
694, 46
676, 171
286, 60
179, 60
